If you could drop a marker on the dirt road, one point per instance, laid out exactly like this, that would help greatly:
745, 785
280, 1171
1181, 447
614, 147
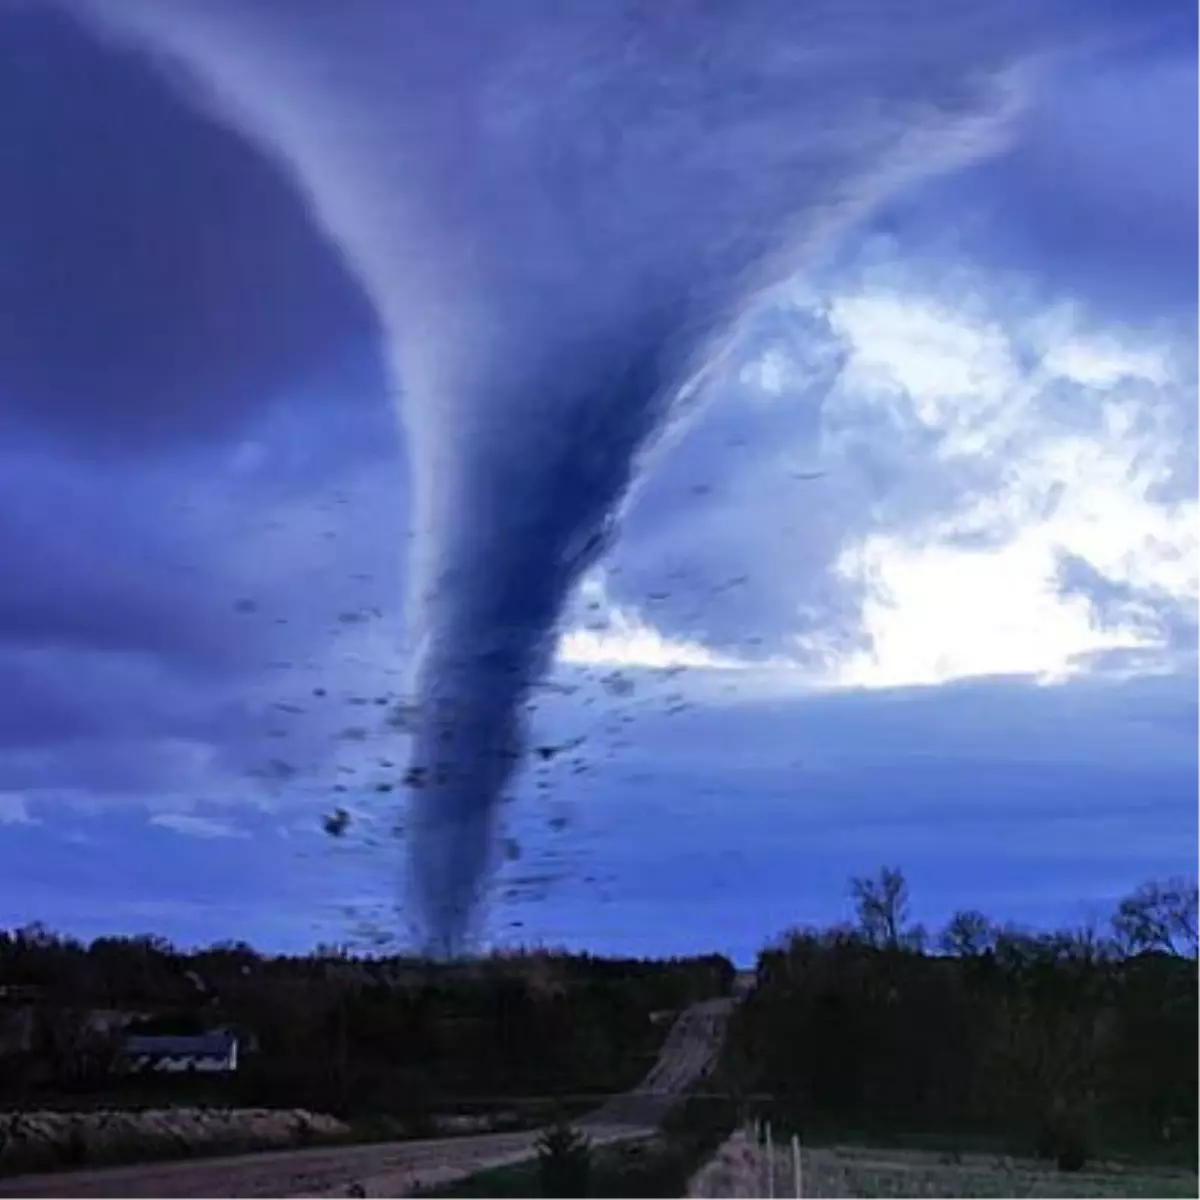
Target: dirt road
394, 1168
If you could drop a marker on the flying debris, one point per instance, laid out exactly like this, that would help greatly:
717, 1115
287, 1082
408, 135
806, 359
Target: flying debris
336, 823
617, 684
561, 689
546, 753
404, 717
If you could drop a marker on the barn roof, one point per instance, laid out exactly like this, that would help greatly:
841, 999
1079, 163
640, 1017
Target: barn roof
202, 1045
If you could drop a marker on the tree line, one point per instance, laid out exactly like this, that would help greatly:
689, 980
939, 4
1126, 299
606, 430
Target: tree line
336, 1031
1063, 1043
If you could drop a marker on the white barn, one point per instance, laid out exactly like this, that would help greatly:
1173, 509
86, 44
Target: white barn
179, 1052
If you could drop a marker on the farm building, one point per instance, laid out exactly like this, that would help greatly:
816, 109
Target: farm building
217, 1051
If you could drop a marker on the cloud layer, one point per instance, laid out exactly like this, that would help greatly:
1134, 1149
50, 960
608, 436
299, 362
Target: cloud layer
550, 276
961, 446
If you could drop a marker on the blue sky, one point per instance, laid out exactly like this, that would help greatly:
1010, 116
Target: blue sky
916, 585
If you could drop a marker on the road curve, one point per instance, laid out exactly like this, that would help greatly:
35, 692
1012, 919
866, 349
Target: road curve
394, 1168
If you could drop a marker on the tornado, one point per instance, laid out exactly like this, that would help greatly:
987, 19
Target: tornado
561, 211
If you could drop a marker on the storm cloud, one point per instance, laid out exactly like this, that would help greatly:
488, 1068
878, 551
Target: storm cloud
517, 252
210, 516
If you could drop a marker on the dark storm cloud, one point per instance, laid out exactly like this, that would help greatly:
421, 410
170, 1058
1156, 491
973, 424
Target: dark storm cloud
158, 277
553, 262
191, 294
151, 620
161, 287
69, 594
94, 561
1098, 196
53, 697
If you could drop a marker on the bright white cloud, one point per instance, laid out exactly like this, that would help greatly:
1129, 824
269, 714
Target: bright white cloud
629, 642
1067, 458
1104, 363
936, 613
613, 636
769, 374
1006, 488
950, 370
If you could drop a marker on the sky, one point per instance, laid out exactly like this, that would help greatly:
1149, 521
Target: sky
916, 584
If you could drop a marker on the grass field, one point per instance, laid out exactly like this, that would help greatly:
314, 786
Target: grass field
844, 1171
847, 1172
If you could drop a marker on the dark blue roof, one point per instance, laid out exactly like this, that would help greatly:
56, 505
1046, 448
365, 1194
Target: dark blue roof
205, 1045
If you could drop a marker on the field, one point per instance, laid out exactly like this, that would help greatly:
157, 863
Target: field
843, 1174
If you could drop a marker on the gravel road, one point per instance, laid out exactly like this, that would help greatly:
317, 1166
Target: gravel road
395, 1168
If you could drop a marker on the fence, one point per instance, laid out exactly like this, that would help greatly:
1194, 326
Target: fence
756, 1164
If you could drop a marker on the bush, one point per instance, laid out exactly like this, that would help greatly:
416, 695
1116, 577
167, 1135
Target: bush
1072, 1154
1063, 1139
564, 1162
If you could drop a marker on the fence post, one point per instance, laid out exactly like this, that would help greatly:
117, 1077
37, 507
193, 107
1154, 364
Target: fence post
770, 1164
796, 1165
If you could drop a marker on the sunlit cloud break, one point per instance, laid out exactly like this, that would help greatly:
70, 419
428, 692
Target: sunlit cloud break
1063, 460
1040, 518
617, 636
629, 642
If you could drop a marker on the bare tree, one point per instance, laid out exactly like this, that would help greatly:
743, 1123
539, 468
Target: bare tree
1160, 915
968, 933
881, 905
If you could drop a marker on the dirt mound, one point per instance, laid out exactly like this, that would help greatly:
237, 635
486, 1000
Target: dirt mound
42, 1140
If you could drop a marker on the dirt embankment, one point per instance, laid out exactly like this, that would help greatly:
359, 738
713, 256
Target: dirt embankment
37, 1140
734, 1171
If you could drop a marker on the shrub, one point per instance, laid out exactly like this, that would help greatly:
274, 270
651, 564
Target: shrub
564, 1162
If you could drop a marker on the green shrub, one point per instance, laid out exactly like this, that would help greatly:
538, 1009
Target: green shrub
564, 1162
